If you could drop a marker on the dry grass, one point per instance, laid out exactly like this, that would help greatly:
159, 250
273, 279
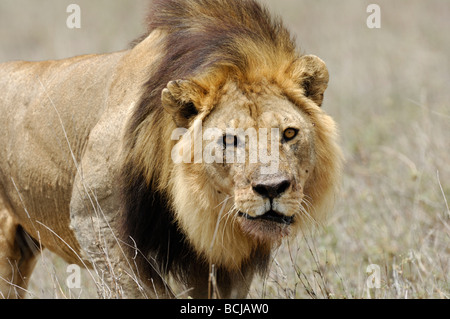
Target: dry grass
388, 92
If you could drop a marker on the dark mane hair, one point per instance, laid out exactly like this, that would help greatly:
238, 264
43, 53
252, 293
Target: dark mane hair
207, 35
201, 36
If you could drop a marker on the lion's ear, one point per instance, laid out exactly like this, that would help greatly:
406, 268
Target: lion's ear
314, 77
178, 100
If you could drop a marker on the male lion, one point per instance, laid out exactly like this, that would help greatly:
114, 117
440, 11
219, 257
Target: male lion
88, 167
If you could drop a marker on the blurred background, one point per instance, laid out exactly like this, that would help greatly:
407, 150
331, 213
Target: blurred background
390, 95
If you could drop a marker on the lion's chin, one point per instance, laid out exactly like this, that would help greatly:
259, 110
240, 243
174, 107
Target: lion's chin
268, 228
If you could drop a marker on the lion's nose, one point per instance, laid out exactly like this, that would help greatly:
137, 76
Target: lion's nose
272, 189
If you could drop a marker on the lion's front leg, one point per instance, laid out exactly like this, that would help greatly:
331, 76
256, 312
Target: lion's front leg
18, 256
94, 220
235, 285
207, 282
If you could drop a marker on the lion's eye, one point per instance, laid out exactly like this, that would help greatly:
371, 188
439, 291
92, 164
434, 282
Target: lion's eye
230, 140
290, 134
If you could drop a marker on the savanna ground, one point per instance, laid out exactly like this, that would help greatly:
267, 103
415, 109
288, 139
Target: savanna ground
389, 92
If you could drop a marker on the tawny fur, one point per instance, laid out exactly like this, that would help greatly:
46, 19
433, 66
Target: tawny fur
85, 151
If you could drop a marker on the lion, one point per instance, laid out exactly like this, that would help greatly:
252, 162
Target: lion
88, 155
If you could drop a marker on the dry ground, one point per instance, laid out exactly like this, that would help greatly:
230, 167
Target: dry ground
390, 94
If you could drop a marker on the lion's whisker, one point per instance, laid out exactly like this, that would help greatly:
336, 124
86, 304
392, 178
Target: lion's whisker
225, 200
303, 213
227, 215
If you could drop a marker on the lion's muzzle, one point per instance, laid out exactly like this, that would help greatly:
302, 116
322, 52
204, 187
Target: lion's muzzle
269, 220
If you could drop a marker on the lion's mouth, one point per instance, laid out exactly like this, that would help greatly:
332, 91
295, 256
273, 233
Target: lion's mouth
272, 216
270, 227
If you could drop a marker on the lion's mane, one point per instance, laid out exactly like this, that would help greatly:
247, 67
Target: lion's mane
211, 41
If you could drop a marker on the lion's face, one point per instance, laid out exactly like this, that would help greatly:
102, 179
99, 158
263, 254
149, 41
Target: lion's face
262, 159
267, 155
